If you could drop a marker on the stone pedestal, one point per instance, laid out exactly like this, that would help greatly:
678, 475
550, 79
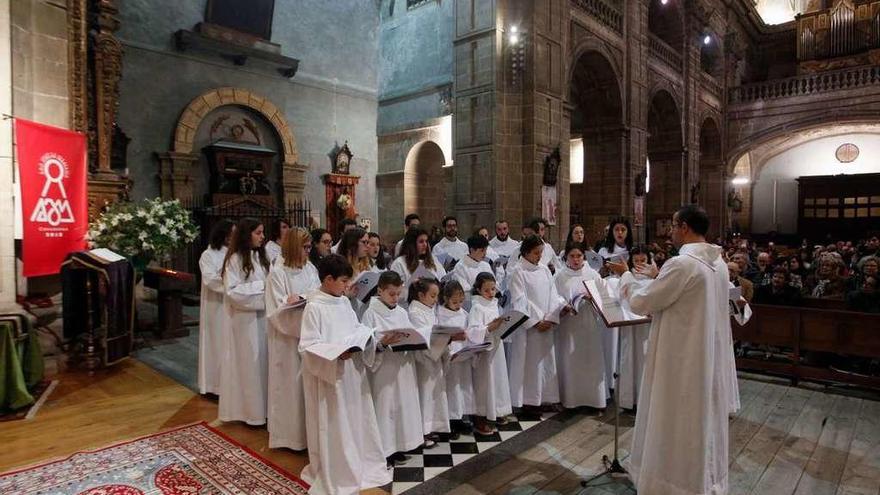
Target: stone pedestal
335, 187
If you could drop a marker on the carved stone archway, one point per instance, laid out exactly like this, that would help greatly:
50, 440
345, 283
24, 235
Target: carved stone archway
175, 166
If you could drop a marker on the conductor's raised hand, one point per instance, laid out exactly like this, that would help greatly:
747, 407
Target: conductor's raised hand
618, 268
648, 269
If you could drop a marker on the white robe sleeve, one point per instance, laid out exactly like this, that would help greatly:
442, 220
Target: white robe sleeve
324, 370
476, 326
647, 299
211, 278
519, 300
244, 295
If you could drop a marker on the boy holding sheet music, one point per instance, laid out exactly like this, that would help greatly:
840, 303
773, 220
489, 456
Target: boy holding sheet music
393, 378
345, 449
459, 374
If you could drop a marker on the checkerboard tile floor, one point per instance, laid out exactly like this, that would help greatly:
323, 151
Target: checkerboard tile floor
425, 464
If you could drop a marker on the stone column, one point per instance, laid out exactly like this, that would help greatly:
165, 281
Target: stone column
7, 226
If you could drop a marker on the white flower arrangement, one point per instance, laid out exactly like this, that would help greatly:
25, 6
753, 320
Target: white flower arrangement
152, 228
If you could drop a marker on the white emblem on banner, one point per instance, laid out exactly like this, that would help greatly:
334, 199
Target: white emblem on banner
53, 207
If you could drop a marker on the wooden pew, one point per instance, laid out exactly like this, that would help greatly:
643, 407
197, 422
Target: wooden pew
802, 330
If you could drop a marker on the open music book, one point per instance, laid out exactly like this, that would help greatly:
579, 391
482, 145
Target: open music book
469, 352
413, 341
288, 317
609, 307
332, 352
511, 321
365, 286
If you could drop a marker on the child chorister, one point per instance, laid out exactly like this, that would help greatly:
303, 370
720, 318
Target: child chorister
491, 387
212, 318
423, 294
245, 365
345, 449
532, 361
459, 375
415, 255
292, 276
467, 269
393, 377
633, 341
579, 350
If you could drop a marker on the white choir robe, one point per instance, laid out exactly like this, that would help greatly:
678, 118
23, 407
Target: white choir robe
633, 350
399, 266
286, 409
459, 375
580, 357
532, 361
456, 249
395, 384
212, 320
733, 382
508, 247
491, 386
466, 271
243, 387
430, 366
548, 257
345, 449
680, 438
273, 251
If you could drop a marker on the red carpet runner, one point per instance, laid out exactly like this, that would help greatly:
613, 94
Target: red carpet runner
195, 459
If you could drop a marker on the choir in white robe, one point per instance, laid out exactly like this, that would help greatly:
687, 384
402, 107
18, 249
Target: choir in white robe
580, 357
509, 247
273, 251
212, 319
399, 266
243, 375
680, 439
455, 249
395, 384
459, 374
286, 404
532, 360
491, 386
633, 350
620, 251
548, 257
430, 370
466, 271
345, 450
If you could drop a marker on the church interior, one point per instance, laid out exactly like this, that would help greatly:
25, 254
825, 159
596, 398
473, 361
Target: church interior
286, 125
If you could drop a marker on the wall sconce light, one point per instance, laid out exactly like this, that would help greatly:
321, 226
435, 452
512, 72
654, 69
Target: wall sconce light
740, 181
707, 39
517, 46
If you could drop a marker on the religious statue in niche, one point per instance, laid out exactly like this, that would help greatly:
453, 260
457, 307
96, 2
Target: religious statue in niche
695, 193
734, 201
640, 181
342, 163
548, 187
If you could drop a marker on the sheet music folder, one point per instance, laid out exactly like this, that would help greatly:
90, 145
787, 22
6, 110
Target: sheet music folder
609, 308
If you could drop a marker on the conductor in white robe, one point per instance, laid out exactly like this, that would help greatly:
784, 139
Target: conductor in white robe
680, 438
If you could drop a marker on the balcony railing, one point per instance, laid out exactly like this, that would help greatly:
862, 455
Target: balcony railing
711, 83
807, 84
603, 12
665, 53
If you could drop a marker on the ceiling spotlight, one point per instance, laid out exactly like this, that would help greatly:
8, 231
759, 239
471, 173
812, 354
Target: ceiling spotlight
707, 39
513, 29
664, 2
514, 39
739, 181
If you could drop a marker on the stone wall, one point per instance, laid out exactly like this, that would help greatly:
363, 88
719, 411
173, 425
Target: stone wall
331, 99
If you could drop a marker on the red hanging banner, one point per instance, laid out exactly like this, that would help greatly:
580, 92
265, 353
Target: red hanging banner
54, 204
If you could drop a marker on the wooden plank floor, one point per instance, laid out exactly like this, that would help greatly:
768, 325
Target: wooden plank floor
784, 440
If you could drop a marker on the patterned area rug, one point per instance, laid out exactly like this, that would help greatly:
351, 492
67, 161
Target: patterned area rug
192, 460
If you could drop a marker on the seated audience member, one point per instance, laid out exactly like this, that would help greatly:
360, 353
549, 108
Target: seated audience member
778, 292
869, 267
827, 282
765, 270
748, 289
796, 273
866, 298
746, 270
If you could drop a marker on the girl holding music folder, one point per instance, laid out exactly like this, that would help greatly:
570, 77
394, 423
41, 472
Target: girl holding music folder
459, 374
415, 261
393, 375
292, 276
618, 241
423, 294
345, 448
491, 387
243, 373
634, 339
354, 247
579, 353
532, 360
